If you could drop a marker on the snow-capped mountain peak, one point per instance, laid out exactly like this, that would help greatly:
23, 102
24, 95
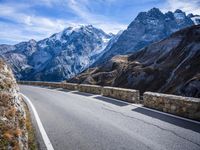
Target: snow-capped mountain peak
61, 56
179, 14
146, 28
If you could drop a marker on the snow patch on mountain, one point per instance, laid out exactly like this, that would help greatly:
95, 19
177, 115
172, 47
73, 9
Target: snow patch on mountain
196, 20
179, 15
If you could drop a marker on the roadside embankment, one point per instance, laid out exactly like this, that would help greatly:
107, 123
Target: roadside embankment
13, 131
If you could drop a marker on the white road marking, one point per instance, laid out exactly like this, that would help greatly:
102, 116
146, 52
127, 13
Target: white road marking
41, 128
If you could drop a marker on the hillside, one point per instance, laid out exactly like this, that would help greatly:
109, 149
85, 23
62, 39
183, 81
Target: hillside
169, 66
13, 132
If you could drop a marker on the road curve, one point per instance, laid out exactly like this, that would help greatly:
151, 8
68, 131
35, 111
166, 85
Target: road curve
80, 121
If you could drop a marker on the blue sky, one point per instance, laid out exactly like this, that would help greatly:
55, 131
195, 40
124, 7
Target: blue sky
21, 20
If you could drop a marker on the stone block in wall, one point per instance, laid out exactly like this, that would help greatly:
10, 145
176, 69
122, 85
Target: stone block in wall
55, 84
178, 105
94, 89
128, 95
70, 86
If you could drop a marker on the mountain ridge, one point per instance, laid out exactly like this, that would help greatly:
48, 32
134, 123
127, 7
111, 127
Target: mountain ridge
57, 57
168, 66
148, 27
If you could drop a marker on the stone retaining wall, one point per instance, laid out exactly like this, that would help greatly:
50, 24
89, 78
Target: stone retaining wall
53, 84
70, 86
94, 89
178, 105
128, 95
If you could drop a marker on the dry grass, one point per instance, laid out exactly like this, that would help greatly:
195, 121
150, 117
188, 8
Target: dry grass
17, 132
5, 99
10, 133
32, 144
6, 84
10, 113
9, 137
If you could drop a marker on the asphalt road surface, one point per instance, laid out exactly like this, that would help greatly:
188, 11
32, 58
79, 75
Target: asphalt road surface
81, 121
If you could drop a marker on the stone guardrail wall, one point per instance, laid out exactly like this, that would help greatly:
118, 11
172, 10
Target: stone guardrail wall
128, 95
94, 89
177, 105
70, 86
182, 106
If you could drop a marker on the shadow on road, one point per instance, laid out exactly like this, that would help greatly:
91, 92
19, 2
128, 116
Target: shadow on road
110, 100
64, 90
102, 98
58, 89
83, 94
48, 87
172, 120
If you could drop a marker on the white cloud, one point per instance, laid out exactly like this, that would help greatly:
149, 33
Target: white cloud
29, 26
189, 6
81, 9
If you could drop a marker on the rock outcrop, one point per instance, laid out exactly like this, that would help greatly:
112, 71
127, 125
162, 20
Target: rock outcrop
13, 133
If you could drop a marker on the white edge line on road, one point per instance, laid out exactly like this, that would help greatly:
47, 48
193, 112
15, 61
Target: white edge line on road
40, 126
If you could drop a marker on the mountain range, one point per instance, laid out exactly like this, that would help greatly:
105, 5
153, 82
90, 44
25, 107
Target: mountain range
170, 66
73, 50
58, 57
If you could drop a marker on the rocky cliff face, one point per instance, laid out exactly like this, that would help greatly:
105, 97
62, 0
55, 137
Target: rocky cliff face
58, 57
147, 27
13, 133
169, 66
